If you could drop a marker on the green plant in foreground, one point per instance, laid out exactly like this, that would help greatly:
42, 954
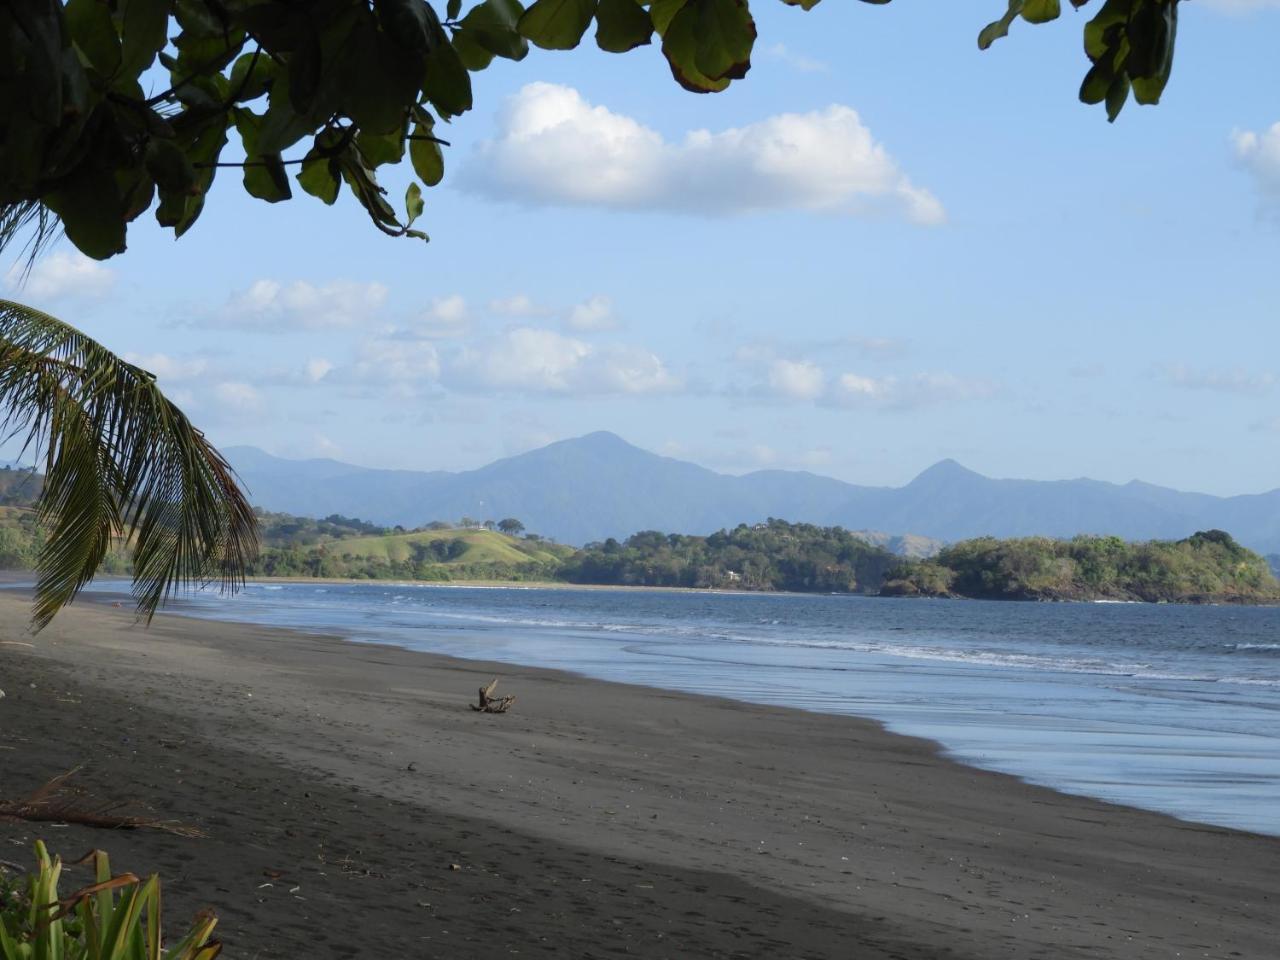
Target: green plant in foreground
114, 918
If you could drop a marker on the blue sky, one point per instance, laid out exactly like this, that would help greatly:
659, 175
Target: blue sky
881, 249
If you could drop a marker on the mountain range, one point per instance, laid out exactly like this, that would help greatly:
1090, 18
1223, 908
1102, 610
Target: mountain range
600, 486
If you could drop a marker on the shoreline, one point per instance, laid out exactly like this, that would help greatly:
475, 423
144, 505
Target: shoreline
942, 859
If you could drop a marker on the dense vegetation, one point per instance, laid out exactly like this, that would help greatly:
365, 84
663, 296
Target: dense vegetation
775, 555
343, 547
1205, 567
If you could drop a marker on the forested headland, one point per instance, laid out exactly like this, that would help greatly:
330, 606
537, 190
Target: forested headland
775, 555
1207, 567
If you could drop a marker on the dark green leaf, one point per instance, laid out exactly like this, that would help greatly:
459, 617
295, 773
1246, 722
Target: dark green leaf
725, 34
492, 25
377, 89
408, 22
1150, 79
170, 167
144, 33
304, 70
622, 25
810, 4
265, 178
1113, 15
999, 28
452, 9
88, 202
199, 18
1096, 83
251, 76
680, 46
1041, 11
473, 56
381, 148
426, 156
94, 33
1117, 94
557, 24
319, 176
662, 12
413, 204
447, 85
282, 126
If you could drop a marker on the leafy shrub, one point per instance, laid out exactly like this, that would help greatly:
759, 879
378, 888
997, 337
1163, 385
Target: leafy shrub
114, 918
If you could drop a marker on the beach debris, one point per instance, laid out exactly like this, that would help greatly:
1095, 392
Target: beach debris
59, 805
491, 704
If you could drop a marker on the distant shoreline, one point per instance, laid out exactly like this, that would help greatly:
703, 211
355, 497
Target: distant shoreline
721, 591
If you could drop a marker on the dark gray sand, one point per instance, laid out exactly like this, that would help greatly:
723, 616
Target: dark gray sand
355, 807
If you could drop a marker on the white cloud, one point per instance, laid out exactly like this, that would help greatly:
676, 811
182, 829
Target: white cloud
519, 305
167, 368
316, 369
339, 303
1259, 153
447, 317
1241, 6
796, 379
62, 275
398, 361
797, 61
905, 393
595, 313
238, 396
543, 361
553, 147
1219, 381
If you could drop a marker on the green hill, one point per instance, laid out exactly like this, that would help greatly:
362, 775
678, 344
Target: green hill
1207, 567
443, 554
481, 546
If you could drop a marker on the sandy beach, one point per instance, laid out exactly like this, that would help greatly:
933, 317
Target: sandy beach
354, 806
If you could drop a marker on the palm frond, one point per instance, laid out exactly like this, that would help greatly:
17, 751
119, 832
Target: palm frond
32, 220
121, 460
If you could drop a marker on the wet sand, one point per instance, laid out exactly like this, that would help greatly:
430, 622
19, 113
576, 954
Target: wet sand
355, 806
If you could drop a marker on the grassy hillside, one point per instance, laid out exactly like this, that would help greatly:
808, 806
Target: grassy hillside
482, 546
328, 548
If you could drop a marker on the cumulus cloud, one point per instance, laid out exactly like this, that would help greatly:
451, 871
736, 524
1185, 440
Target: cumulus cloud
595, 313
238, 396
169, 368
62, 275
316, 369
553, 147
544, 361
1241, 6
304, 305
445, 318
518, 305
905, 393
1259, 153
398, 361
1219, 381
796, 379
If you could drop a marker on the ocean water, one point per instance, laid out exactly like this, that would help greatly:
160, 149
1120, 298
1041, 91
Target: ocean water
1170, 708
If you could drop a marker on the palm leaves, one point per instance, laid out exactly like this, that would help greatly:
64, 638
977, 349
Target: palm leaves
120, 460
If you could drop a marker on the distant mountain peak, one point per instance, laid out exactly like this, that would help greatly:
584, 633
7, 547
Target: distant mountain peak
946, 471
602, 439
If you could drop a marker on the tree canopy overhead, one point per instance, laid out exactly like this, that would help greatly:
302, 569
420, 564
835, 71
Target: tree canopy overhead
322, 93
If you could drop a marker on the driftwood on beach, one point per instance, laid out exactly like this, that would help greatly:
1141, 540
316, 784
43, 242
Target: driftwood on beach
491, 704
55, 802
